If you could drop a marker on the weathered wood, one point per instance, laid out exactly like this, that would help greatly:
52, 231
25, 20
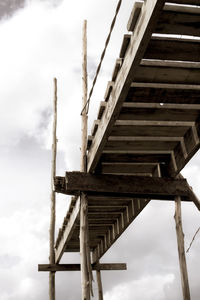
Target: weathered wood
117, 67
157, 112
163, 93
144, 187
181, 249
159, 74
99, 284
53, 198
137, 7
169, 48
108, 90
135, 52
86, 279
77, 267
125, 44
83, 248
179, 20
67, 232
135, 208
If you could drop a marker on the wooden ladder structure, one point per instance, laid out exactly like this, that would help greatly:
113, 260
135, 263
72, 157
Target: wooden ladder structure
147, 129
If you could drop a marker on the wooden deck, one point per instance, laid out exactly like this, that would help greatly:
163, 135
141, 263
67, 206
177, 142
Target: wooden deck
148, 124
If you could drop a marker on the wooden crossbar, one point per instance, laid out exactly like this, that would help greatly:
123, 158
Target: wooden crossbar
125, 185
77, 267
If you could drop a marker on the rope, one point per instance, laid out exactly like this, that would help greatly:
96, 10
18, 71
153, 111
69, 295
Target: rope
86, 107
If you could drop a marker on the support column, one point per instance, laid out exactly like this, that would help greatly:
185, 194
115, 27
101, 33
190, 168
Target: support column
99, 283
53, 199
86, 271
181, 249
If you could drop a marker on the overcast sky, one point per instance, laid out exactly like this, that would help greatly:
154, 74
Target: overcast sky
41, 40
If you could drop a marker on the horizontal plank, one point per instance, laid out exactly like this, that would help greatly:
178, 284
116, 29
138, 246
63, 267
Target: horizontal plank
173, 49
189, 2
182, 21
148, 131
77, 267
164, 93
139, 186
135, 157
158, 112
178, 75
127, 168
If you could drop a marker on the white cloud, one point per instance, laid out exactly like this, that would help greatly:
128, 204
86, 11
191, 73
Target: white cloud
146, 288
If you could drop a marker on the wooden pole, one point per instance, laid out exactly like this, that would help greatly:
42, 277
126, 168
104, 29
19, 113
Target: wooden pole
99, 284
84, 240
53, 198
181, 249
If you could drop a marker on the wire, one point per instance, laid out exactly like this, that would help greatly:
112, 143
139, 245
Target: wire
87, 105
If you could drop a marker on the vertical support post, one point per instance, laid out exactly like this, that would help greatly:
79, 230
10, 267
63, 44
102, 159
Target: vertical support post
53, 198
181, 249
99, 283
85, 282
86, 271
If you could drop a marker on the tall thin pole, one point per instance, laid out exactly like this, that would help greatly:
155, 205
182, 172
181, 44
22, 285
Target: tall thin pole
99, 283
181, 249
85, 276
53, 198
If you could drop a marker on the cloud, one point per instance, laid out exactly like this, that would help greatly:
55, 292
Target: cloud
39, 42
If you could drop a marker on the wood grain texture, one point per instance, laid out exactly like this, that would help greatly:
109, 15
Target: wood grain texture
121, 86
145, 187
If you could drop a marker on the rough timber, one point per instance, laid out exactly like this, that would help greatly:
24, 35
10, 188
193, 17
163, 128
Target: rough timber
147, 125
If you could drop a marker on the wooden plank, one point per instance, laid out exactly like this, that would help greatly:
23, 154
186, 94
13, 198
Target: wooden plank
101, 109
158, 112
77, 267
189, 2
168, 74
108, 90
139, 186
135, 157
121, 86
127, 168
137, 208
164, 93
117, 67
173, 48
135, 14
67, 232
179, 20
125, 44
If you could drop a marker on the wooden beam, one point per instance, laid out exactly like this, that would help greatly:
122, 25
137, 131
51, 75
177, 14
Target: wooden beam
181, 249
68, 231
135, 52
53, 198
137, 186
77, 267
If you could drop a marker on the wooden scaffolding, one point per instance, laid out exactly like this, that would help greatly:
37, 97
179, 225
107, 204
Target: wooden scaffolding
147, 130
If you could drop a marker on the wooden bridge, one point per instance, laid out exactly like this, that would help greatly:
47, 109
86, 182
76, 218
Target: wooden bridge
147, 128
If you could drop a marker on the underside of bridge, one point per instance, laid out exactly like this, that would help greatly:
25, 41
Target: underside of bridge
147, 129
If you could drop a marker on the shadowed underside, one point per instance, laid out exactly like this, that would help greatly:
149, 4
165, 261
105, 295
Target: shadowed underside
148, 123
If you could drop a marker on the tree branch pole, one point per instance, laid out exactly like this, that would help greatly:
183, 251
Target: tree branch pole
181, 249
99, 283
86, 270
53, 197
